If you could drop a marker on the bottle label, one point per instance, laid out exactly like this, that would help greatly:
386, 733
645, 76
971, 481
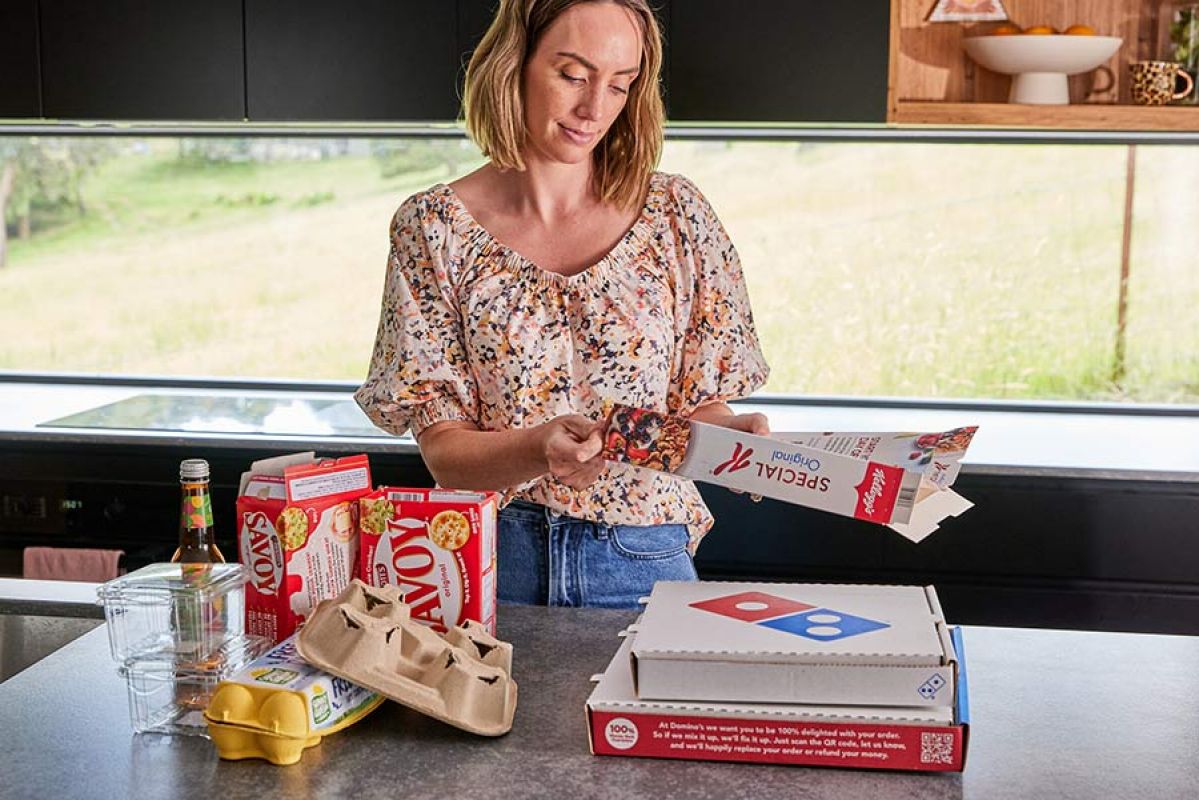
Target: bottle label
197, 510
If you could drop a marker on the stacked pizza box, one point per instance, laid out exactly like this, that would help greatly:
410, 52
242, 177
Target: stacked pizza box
858, 676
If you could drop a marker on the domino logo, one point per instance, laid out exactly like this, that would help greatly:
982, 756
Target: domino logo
791, 616
928, 690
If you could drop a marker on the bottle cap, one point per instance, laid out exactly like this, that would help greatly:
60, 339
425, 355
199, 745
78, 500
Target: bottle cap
193, 469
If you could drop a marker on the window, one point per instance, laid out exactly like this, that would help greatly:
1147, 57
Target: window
875, 268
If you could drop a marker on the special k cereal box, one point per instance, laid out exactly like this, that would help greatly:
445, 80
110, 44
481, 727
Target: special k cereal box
878, 484
297, 532
437, 546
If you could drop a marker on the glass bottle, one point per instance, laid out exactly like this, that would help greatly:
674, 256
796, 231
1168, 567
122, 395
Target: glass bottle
197, 622
197, 541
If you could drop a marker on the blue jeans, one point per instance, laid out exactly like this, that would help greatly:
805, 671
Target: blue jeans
550, 559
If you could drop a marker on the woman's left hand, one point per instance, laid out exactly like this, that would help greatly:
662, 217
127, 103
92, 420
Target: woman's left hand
755, 424
720, 414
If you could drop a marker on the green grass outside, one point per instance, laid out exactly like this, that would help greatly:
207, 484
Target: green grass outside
902, 270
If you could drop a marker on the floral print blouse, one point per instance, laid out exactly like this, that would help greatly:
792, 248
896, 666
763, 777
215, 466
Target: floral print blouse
471, 330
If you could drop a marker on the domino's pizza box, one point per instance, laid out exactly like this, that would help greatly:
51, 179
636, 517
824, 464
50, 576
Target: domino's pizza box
922, 738
735, 642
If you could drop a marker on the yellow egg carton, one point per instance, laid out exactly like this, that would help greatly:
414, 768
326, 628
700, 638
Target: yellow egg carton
278, 706
367, 635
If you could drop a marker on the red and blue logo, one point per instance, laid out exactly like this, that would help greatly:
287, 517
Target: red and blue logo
790, 616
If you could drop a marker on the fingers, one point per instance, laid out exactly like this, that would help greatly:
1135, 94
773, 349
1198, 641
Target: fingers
578, 426
590, 448
579, 475
573, 451
757, 424
582, 440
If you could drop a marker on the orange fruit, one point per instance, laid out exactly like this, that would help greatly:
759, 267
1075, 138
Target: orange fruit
1006, 30
1079, 30
1039, 30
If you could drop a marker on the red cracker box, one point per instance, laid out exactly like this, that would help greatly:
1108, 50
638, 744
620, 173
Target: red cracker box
297, 532
925, 739
438, 546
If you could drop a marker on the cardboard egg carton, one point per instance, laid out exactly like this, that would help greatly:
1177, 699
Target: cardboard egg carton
367, 635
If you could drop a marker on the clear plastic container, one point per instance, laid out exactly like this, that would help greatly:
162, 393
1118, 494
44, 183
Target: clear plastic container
174, 610
169, 696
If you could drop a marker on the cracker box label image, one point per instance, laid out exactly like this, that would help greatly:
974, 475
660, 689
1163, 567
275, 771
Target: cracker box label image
438, 547
297, 534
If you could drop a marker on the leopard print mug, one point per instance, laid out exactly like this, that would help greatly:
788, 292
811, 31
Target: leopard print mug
1153, 82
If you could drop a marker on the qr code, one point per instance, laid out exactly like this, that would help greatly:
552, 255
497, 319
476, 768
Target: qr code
936, 748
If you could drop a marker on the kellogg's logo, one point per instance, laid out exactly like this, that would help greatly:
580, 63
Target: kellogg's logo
878, 492
262, 552
739, 460
878, 483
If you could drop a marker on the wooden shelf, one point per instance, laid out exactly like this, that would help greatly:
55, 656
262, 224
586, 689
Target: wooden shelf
1085, 116
931, 81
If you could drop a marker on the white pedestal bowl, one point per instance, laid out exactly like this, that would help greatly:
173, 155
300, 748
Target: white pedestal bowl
1039, 64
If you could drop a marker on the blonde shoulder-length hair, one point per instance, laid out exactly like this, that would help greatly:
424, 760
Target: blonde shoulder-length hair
493, 104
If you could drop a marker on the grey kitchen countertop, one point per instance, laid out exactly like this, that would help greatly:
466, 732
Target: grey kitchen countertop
49, 598
1053, 714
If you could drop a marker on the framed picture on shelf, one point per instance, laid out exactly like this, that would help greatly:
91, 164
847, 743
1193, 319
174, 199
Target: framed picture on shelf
968, 11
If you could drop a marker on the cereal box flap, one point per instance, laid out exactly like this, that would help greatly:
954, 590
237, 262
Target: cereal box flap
273, 466
793, 623
342, 478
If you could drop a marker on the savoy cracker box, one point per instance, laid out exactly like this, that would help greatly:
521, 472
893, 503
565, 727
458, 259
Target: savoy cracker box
438, 546
298, 535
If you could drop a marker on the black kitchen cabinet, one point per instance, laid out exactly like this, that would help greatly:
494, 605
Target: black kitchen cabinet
19, 59
474, 17
142, 59
404, 60
770, 61
375, 60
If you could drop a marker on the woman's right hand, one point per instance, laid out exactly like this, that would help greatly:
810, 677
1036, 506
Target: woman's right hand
571, 445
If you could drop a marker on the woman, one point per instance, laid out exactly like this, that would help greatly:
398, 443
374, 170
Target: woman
562, 274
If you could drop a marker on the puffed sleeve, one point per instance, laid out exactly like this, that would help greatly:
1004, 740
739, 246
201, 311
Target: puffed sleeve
419, 374
717, 355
